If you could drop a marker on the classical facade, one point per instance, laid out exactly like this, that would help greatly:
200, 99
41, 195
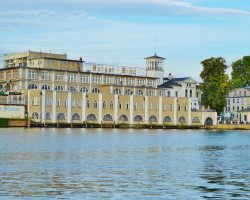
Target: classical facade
56, 89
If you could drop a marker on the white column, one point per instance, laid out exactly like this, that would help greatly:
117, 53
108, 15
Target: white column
54, 108
116, 109
131, 113
189, 112
160, 110
202, 118
29, 101
84, 103
100, 108
146, 110
175, 111
43, 105
69, 107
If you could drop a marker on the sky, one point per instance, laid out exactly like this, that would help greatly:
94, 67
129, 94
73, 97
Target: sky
122, 32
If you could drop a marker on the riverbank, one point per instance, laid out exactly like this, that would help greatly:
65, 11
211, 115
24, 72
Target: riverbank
8, 123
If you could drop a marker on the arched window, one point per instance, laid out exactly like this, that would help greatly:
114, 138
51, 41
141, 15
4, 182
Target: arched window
32, 87
167, 119
120, 105
61, 116
191, 93
47, 116
91, 117
195, 120
152, 119
127, 105
186, 93
84, 90
138, 118
111, 105
123, 118
96, 90
88, 104
71, 89
95, 104
76, 116
107, 117
182, 120
59, 88
117, 91
104, 104
45, 87
128, 92
169, 94
34, 115
139, 92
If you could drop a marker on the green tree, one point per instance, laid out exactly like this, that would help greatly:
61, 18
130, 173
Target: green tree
215, 85
241, 72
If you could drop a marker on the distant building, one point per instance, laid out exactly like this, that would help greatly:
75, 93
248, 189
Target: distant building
238, 102
57, 89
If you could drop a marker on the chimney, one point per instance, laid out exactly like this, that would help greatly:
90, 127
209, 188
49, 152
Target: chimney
170, 76
80, 59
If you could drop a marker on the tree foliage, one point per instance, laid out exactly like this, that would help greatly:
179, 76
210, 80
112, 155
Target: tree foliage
215, 85
241, 72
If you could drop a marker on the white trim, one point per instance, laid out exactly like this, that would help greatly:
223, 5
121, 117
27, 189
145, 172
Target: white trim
43, 105
54, 107
84, 104
175, 111
69, 107
146, 109
189, 112
160, 111
99, 108
131, 111
116, 109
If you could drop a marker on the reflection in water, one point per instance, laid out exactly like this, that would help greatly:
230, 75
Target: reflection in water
123, 164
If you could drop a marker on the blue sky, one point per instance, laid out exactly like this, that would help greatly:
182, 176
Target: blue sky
122, 31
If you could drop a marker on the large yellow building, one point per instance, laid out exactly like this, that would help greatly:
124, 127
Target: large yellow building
57, 90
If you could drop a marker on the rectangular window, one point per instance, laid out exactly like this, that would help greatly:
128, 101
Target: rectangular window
58, 102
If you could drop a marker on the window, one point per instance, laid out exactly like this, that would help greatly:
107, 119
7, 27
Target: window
35, 101
169, 94
48, 102
139, 92
76, 116
84, 78
128, 92
84, 90
117, 91
179, 107
95, 104
45, 87
59, 88
127, 105
186, 93
32, 87
58, 102
176, 94
34, 115
96, 90
47, 116
104, 104
135, 106
142, 106
195, 120
59, 77
171, 107
61, 116
71, 89
32, 75
111, 105
45, 76
191, 93
65, 103
79, 103
71, 78
164, 106
120, 105
73, 103
88, 104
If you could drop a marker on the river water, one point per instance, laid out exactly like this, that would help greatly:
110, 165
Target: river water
124, 164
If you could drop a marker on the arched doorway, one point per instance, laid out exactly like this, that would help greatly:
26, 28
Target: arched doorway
209, 121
